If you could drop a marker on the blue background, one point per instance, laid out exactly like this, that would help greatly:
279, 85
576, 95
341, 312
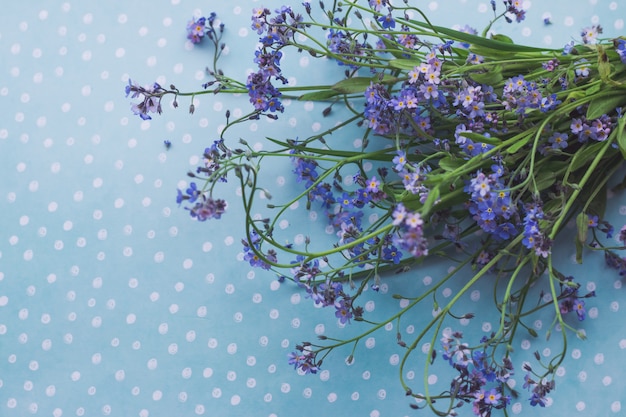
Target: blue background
114, 302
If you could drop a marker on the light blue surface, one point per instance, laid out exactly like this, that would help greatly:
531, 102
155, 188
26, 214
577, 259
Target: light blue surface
113, 302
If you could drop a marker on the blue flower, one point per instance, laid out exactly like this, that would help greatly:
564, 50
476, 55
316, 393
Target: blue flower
346, 201
391, 253
387, 21
179, 197
620, 48
192, 192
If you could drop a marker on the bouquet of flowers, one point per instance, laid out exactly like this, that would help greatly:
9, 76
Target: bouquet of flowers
474, 149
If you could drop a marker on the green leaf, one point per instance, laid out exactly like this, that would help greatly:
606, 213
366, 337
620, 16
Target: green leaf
359, 84
476, 137
579, 251
585, 155
493, 76
604, 66
598, 204
545, 180
594, 89
432, 198
403, 64
450, 164
490, 44
318, 95
501, 38
490, 53
518, 145
605, 104
582, 226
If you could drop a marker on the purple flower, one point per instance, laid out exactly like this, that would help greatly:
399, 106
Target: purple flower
558, 140
377, 4
590, 34
579, 308
343, 311
208, 208
536, 399
399, 160
372, 185
492, 397
196, 29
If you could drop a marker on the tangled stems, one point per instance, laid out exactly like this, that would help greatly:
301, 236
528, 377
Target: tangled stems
468, 143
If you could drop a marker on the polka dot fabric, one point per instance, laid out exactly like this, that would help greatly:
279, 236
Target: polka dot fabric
114, 303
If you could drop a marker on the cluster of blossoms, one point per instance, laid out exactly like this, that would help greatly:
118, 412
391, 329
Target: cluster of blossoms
490, 204
534, 237
204, 205
325, 294
570, 300
406, 110
344, 210
410, 235
341, 44
152, 95
151, 99
251, 249
480, 380
276, 32
539, 388
519, 95
304, 359
513, 7
197, 29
